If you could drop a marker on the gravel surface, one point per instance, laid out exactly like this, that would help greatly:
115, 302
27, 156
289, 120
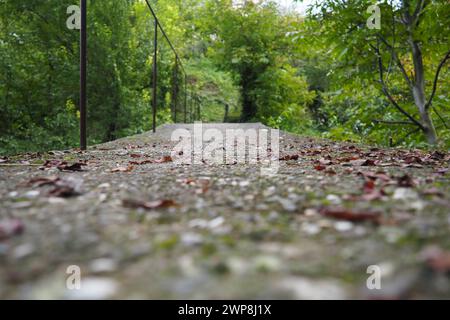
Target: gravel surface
138, 225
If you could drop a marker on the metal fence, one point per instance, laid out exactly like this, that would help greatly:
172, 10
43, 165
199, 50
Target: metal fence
178, 72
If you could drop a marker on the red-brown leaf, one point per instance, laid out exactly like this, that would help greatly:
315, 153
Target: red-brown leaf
290, 157
63, 191
349, 215
164, 159
149, 205
10, 227
437, 259
73, 167
42, 181
123, 169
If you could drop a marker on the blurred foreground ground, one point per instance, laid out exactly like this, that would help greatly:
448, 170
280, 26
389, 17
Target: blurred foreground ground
225, 231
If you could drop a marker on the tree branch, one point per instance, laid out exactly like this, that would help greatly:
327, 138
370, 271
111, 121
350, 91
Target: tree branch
406, 136
397, 60
436, 78
440, 117
388, 95
394, 122
420, 7
45, 20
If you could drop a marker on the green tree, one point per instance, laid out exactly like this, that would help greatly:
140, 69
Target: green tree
411, 47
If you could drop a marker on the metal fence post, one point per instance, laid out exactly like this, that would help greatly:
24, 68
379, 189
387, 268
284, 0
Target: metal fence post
83, 74
175, 91
185, 98
155, 73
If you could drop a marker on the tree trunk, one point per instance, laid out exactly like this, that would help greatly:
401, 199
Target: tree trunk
248, 111
248, 103
227, 109
418, 92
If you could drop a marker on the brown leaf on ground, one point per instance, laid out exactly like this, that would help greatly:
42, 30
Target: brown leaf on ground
203, 184
320, 167
437, 155
63, 191
374, 195
51, 164
413, 159
140, 163
188, 181
369, 186
41, 181
433, 192
164, 159
73, 167
325, 162
63, 188
63, 165
412, 165
123, 169
354, 163
406, 181
349, 215
368, 163
381, 175
437, 259
10, 227
290, 157
149, 205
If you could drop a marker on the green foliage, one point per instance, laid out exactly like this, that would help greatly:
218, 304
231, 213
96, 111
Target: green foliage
311, 75
351, 93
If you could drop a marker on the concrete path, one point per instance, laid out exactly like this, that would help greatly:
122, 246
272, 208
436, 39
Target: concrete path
138, 225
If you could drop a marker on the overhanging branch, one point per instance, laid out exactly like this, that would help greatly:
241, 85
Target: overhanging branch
436, 78
394, 122
397, 60
387, 93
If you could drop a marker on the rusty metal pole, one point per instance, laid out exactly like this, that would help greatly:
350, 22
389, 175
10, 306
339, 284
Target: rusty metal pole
185, 98
199, 111
83, 74
175, 90
191, 118
155, 73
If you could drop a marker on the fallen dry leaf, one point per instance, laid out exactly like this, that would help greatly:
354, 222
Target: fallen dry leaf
433, 192
375, 175
406, 181
123, 169
369, 186
149, 205
325, 162
140, 163
41, 181
73, 167
10, 227
63, 191
290, 157
349, 215
63, 165
437, 259
164, 159
361, 163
